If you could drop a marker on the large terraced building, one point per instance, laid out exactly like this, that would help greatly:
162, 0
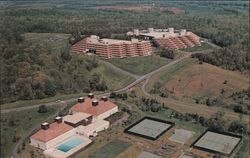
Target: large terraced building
168, 38
109, 48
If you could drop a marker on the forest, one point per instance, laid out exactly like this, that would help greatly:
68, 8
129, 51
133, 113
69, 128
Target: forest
35, 71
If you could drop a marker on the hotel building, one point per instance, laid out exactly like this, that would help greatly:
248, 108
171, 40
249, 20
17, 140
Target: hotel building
168, 38
109, 48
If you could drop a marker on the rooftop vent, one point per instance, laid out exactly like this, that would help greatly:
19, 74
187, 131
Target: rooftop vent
150, 30
58, 119
91, 95
171, 30
95, 102
104, 98
45, 125
81, 100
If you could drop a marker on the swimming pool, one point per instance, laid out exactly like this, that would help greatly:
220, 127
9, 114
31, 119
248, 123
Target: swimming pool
70, 144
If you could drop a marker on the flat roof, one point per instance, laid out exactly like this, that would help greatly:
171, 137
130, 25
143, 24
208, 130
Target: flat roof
96, 124
219, 142
150, 128
181, 135
76, 117
145, 154
55, 129
112, 41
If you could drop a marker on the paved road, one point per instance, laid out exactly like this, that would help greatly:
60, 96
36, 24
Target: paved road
144, 77
137, 81
36, 106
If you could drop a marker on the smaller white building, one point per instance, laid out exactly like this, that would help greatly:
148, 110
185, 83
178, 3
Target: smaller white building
69, 134
93, 128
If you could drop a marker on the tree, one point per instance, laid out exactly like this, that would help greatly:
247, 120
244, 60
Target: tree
50, 89
112, 95
42, 109
237, 127
156, 87
238, 108
166, 53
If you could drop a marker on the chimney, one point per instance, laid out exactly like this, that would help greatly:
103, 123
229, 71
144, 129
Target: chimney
45, 126
95, 102
104, 98
134, 40
91, 95
81, 100
150, 30
136, 32
58, 119
171, 30
183, 32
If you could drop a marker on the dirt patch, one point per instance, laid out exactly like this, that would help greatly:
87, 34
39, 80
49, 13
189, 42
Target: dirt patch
205, 80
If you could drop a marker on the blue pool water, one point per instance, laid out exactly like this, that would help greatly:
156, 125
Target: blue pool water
70, 144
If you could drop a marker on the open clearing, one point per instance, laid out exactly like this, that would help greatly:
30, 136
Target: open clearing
55, 41
139, 65
192, 80
113, 79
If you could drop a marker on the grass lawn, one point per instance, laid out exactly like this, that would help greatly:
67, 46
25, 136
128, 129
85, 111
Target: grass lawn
204, 46
111, 150
113, 78
139, 65
244, 151
55, 41
166, 74
16, 124
23, 103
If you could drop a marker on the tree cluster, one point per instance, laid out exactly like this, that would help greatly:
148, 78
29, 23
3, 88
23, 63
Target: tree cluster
231, 58
150, 105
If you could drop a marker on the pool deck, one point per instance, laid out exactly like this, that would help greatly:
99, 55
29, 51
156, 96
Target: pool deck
55, 153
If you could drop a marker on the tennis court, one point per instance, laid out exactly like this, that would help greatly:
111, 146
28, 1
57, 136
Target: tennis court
150, 128
219, 142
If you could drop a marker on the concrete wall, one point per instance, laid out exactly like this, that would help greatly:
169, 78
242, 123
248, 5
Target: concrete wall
107, 113
103, 127
38, 144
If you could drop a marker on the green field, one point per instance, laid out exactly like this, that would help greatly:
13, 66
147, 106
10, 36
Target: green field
111, 150
166, 74
54, 41
17, 124
139, 65
113, 78
244, 151
204, 46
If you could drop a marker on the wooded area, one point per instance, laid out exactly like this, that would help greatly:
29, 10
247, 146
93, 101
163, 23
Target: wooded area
35, 71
